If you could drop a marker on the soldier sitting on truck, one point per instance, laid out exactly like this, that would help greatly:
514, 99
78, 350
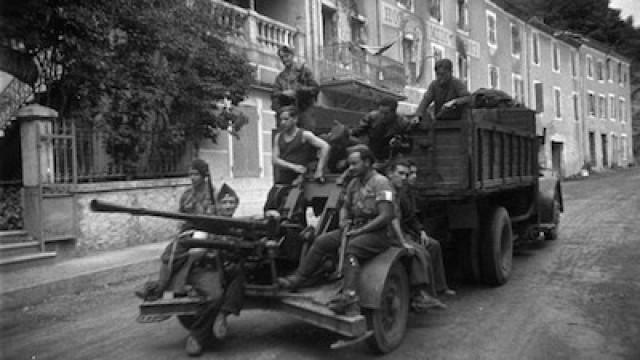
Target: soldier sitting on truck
426, 268
293, 150
383, 129
197, 199
446, 92
212, 318
366, 216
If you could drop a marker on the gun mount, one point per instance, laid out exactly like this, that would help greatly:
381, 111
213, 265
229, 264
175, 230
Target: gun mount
249, 229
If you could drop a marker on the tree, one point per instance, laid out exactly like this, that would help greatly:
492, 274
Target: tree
130, 66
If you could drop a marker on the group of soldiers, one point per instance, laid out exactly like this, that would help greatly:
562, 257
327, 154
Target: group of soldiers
378, 209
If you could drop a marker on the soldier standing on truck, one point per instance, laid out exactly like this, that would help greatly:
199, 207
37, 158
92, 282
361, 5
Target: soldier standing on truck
366, 216
427, 269
446, 92
295, 86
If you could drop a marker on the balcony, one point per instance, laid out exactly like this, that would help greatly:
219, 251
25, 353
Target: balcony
345, 61
250, 30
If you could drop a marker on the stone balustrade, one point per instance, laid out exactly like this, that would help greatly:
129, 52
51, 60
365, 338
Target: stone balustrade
250, 29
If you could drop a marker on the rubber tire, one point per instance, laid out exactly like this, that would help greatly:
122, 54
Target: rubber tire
497, 248
186, 321
388, 335
553, 233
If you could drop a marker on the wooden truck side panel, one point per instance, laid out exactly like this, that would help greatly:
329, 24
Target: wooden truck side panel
480, 153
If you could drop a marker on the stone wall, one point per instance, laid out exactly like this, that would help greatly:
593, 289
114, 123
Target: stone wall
107, 231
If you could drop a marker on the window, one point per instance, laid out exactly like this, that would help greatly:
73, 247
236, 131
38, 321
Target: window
589, 66
535, 48
409, 59
357, 28
463, 69
623, 142
494, 77
556, 57
609, 70
435, 10
612, 107
592, 104
574, 65
557, 103
437, 51
492, 29
539, 96
599, 71
576, 106
516, 42
407, 4
624, 76
462, 15
621, 110
518, 88
329, 26
602, 106
620, 73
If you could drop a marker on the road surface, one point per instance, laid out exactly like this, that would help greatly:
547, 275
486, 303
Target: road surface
574, 298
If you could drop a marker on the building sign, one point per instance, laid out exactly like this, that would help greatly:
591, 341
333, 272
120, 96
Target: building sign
390, 15
440, 34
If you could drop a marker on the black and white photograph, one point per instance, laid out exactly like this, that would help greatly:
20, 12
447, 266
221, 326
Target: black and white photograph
320, 179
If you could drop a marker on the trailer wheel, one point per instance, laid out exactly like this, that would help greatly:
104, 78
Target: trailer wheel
186, 321
389, 321
553, 233
497, 248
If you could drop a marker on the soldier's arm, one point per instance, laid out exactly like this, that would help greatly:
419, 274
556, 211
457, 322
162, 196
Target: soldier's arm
427, 99
322, 146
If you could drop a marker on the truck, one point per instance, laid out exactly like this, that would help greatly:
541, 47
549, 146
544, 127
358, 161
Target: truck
481, 193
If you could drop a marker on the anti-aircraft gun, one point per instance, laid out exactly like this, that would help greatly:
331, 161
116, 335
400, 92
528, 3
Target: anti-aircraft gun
272, 248
247, 233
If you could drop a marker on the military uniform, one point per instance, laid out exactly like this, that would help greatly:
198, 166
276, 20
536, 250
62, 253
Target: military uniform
361, 202
298, 78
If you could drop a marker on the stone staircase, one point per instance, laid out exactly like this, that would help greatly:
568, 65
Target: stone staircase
18, 249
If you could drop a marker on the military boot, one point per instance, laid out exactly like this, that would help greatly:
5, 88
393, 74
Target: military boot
347, 302
309, 265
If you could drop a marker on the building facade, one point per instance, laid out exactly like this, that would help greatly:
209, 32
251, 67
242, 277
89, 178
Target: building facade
579, 88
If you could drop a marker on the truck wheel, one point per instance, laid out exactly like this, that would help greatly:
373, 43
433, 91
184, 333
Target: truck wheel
553, 233
497, 248
389, 322
186, 321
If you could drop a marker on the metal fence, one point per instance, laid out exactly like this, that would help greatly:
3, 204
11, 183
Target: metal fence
84, 154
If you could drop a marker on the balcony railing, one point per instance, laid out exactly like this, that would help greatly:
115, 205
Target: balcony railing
253, 29
345, 61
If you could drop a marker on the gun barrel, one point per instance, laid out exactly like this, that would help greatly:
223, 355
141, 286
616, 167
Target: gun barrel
209, 223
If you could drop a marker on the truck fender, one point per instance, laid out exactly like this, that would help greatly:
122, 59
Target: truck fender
549, 190
373, 275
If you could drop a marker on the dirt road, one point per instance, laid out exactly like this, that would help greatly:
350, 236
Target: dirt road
575, 298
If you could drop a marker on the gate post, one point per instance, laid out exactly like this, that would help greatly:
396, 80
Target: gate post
34, 120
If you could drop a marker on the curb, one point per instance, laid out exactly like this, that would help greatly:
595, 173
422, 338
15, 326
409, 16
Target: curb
75, 276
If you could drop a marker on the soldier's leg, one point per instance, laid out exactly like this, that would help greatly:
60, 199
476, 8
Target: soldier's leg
325, 245
359, 249
435, 251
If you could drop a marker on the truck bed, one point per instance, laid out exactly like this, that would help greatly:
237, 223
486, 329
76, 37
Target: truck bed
487, 150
